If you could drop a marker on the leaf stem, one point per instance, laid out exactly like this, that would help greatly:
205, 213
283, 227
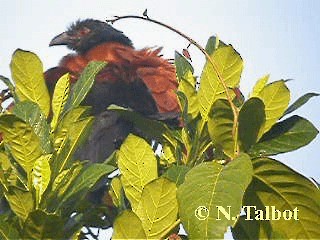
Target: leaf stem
212, 62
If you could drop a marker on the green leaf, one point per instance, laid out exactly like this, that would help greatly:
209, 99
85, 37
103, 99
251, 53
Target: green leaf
138, 166
258, 87
115, 191
84, 84
121, 229
11, 87
23, 142
31, 113
276, 97
71, 133
288, 135
42, 225
41, 174
182, 65
158, 207
300, 102
220, 127
207, 186
229, 66
8, 230
59, 99
21, 203
251, 122
85, 180
278, 186
27, 73
176, 173
213, 44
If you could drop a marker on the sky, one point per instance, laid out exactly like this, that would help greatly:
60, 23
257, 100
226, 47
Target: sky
280, 38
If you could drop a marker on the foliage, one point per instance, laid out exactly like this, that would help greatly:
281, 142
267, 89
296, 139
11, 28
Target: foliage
219, 159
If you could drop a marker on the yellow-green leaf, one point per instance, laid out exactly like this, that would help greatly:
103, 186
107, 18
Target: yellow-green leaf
41, 175
27, 73
276, 97
158, 207
115, 191
59, 99
228, 68
260, 84
138, 166
128, 226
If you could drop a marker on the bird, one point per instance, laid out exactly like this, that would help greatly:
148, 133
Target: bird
141, 80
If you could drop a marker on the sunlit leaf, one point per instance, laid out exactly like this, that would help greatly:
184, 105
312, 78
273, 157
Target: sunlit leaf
207, 186
228, 67
251, 122
220, 127
158, 207
285, 136
260, 84
276, 185
31, 113
115, 191
59, 99
121, 229
176, 173
41, 175
27, 73
138, 166
23, 142
276, 97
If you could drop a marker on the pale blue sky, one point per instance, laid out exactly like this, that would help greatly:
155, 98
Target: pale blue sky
277, 37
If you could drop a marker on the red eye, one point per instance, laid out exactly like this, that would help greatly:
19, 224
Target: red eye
83, 31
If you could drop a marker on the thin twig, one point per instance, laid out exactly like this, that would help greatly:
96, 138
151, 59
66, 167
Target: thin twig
212, 62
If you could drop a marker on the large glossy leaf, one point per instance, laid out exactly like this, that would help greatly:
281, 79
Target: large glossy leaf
8, 231
32, 114
276, 97
158, 207
228, 68
59, 99
84, 84
251, 122
27, 73
42, 225
276, 185
138, 166
21, 202
128, 226
41, 174
300, 102
285, 136
207, 186
24, 144
220, 127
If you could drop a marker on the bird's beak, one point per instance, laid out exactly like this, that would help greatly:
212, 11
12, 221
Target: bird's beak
61, 39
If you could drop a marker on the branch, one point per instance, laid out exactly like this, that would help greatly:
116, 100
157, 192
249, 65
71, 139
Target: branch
145, 17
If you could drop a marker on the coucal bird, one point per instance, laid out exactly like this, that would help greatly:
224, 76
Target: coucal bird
138, 79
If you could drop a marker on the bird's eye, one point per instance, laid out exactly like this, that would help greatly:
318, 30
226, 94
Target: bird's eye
83, 31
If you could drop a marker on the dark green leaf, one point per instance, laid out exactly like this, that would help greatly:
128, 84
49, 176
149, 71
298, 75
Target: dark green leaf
7, 230
41, 225
251, 120
176, 173
300, 102
285, 136
182, 65
84, 84
11, 87
220, 125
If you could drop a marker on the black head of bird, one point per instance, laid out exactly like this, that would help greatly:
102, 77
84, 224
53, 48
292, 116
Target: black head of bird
85, 34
